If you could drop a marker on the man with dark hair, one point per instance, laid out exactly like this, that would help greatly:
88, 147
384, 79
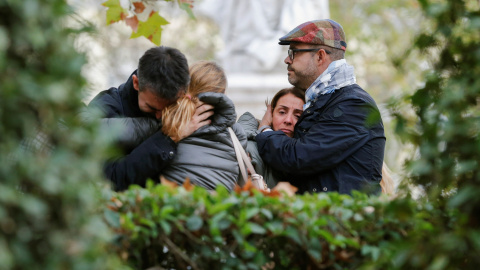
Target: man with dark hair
162, 77
339, 139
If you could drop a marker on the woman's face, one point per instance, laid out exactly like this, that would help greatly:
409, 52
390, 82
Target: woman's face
286, 113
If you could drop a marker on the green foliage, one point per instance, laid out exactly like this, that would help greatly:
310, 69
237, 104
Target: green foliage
446, 125
115, 11
150, 26
175, 228
445, 131
49, 159
152, 29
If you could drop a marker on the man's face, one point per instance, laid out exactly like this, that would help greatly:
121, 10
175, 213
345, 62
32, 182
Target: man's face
150, 103
303, 69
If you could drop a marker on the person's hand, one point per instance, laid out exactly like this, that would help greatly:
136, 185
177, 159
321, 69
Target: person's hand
199, 119
267, 117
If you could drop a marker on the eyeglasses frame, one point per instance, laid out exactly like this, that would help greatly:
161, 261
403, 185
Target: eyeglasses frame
291, 52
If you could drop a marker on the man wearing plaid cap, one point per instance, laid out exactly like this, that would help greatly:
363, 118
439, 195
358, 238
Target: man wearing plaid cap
339, 140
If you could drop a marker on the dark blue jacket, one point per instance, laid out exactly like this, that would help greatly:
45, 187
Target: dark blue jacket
147, 159
338, 145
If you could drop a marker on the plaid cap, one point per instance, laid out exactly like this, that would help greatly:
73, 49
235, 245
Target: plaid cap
321, 32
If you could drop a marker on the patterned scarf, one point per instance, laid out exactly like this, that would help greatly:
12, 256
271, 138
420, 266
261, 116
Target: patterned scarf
338, 75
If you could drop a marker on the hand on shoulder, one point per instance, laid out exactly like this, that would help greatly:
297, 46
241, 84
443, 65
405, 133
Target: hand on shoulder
200, 118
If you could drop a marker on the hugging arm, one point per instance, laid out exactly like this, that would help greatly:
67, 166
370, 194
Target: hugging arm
146, 161
326, 143
126, 132
130, 132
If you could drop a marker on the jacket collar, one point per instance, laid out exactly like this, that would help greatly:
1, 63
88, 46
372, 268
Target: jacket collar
130, 98
322, 101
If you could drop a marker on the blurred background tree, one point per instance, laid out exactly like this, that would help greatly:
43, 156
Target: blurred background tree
50, 162
446, 126
443, 126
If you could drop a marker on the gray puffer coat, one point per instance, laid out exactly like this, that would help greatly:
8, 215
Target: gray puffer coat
207, 157
250, 124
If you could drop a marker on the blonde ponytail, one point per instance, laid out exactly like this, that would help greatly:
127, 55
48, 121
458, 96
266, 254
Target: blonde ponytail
176, 117
205, 76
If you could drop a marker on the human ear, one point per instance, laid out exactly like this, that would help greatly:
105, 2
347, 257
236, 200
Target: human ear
135, 82
322, 57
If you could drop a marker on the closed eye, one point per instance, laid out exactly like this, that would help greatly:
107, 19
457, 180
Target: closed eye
152, 109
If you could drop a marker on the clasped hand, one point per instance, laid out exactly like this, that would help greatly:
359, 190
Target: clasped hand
201, 118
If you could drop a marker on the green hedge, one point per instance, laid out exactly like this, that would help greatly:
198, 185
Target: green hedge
444, 129
48, 174
179, 229
50, 162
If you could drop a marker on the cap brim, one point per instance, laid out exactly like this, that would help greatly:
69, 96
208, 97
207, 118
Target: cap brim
284, 42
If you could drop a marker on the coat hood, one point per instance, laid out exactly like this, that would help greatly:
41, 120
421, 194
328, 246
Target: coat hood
224, 113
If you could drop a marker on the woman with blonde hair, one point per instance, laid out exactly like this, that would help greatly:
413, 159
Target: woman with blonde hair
207, 157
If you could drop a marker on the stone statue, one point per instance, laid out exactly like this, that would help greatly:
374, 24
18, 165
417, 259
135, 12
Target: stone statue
250, 30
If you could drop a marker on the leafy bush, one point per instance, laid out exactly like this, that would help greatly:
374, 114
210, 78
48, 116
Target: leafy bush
190, 228
49, 160
446, 124
445, 131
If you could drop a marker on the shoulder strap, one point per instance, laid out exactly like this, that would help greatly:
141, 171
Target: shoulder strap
243, 160
238, 153
238, 145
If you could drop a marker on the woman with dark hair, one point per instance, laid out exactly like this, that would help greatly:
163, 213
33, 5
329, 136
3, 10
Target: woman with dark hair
285, 107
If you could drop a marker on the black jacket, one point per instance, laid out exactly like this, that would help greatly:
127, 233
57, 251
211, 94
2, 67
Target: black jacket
338, 145
144, 158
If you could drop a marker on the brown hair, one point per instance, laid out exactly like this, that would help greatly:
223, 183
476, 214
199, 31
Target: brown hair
205, 76
292, 90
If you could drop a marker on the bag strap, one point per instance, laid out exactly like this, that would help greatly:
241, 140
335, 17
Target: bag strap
243, 154
241, 161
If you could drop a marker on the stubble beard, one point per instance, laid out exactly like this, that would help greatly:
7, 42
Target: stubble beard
292, 79
302, 79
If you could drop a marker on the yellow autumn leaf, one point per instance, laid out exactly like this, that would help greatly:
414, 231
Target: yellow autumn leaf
151, 28
115, 11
